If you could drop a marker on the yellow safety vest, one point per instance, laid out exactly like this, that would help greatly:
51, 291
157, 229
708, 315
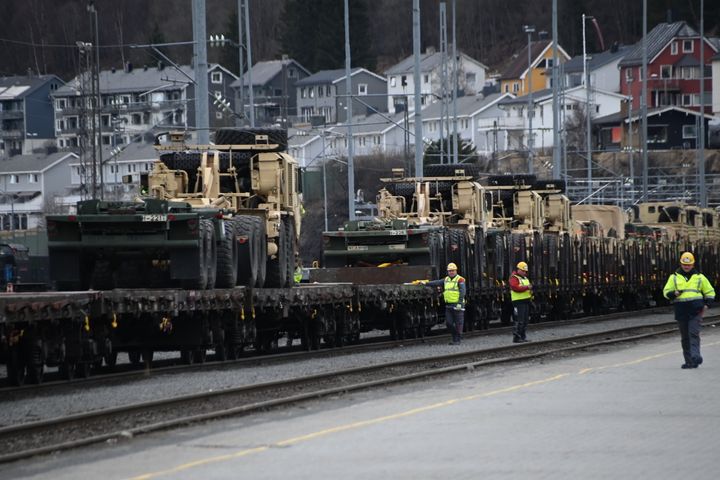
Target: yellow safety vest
451, 289
297, 276
695, 288
526, 295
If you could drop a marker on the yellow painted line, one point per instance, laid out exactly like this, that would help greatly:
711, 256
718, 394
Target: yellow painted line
386, 418
342, 428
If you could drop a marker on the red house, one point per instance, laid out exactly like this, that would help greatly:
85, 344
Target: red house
673, 54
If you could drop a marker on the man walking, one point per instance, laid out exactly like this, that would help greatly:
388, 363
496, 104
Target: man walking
691, 293
454, 290
521, 295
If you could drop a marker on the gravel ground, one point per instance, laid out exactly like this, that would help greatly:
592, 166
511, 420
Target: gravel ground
153, 388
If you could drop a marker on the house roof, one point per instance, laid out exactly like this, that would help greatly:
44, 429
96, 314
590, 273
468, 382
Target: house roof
657, 39
264, 72
332, 76
466, 106
137, 80
597, 60
35, 163
373, 124
428, 62
546, 94
518, 65
615, 118
21, 86
688, 61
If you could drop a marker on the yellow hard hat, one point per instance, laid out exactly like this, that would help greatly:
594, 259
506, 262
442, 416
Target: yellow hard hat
522, 266
451, 266
687, 258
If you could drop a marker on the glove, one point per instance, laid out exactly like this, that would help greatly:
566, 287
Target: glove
458, 307
419, 282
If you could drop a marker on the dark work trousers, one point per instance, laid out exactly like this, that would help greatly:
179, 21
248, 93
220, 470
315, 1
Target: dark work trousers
454, 319
690, 339
521, 312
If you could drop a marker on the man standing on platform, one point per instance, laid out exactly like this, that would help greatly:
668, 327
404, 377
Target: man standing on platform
454, 290
521, 296
691, 293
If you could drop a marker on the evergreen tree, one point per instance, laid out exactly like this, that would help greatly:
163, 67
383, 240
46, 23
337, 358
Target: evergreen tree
466, 151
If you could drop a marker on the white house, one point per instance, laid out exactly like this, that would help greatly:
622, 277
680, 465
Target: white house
602, 68
401, 80
515, 124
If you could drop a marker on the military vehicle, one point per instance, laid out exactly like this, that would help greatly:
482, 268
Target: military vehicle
209, 216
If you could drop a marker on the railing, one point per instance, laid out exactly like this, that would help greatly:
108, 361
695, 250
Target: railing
11, 114
11, 134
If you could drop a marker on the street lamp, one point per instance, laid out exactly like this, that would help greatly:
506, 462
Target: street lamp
588, 126
530, 29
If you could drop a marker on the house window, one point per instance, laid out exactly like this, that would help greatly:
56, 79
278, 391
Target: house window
303, 92
291, 73
216, 77
311, 92
657, 134
13, 178
362, 89
666, 71
689, 131
321, 91
507, 88
470, 79
136, 119
61, 103
376, 139
403, 81
33, 177
689, 73
393, 81
687, 46
426, 78
328, 90
125, 99
674, 48
516, 87
628, 75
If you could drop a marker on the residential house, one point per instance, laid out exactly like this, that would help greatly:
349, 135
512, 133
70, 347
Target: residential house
220, 88
401, 80
515, 78
273, 87
669, 127
322, 98
135, 102
26, 113
602, 68
30, 184
673, 53
573, 102
475, 116
375, 134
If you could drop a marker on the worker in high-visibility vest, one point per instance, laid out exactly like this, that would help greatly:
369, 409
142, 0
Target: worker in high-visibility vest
521, 296
691, 294
454, 291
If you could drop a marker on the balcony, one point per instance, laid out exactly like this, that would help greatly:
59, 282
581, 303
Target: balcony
11, 114
664, 84
11, 134
502, 123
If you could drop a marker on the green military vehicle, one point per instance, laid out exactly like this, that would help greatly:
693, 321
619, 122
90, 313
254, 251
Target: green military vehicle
211, 216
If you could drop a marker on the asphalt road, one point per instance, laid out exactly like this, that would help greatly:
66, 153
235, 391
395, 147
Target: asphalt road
626, 412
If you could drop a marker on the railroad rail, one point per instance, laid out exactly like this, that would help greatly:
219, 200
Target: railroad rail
30, 439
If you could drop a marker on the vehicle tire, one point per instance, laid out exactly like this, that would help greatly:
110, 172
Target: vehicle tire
277, 266
227, 257
246, 136
246, 243
260, 233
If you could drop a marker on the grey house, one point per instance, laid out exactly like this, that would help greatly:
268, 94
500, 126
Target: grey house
321, 97
273, 87
30, 185
26, 113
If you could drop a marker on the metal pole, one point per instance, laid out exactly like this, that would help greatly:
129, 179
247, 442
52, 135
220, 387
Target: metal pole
416, 76
202, 121
530, 29
241, 60
251, 95
588, 125
701, 142
325, 210
99, 103
454, 87
643, 107
631, 160
349, 116
556, 106
443, 137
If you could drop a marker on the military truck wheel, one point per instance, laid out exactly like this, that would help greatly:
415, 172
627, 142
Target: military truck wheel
260, 232
247, 245
246, 136
277, 266
227, 257
449, 169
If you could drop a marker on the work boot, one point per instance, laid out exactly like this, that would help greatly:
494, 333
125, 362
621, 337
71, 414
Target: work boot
517, 340
688, 365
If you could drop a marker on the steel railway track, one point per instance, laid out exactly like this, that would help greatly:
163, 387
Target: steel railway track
22, 441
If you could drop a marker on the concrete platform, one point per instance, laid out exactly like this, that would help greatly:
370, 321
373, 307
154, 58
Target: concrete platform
629, 412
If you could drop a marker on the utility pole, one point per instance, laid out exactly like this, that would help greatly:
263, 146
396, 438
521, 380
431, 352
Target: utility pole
348, 116
251, 94
241, 60
588, 123
643, 107
701, 136
530, 29
416, 76
454, 86
444, 115
202, 121
556, 104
